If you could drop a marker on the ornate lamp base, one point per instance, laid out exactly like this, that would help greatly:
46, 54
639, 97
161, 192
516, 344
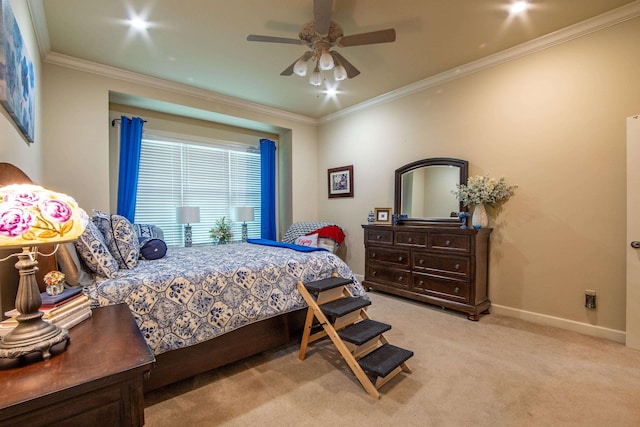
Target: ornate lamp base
32, 334
22, 346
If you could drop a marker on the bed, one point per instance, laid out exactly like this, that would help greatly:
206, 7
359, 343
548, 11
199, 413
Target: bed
206, 306
216, 303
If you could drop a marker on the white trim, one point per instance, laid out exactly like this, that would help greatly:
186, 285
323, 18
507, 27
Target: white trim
616, 16
39, 22
571, 325
181, 89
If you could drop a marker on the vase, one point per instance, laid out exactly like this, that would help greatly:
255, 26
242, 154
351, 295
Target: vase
56, 289
479, 219
222, 241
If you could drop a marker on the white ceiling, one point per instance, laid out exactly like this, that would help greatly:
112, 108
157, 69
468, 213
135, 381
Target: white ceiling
202, 43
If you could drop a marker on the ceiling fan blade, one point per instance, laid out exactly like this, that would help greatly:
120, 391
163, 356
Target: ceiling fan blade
322, 15
382, 36
351, 70
269, 39
289, 70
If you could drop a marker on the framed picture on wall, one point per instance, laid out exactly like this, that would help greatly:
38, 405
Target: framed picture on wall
382, 215
340, 181
17, 79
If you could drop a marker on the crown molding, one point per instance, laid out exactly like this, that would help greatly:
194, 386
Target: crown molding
39, 22
608, 19
178, 88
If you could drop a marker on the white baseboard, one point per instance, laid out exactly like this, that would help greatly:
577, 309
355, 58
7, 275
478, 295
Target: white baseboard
558, 322
571, 325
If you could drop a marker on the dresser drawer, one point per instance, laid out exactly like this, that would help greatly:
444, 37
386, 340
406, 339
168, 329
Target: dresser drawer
388, 255
379, 236
410, 238
397, 278
449, 265
453, 290
449, 242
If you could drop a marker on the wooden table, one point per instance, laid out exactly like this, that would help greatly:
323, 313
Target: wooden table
96, 381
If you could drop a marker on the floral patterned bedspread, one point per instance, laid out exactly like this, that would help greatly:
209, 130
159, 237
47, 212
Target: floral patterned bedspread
197, 293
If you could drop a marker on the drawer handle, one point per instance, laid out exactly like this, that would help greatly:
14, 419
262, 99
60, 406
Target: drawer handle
378, 237
421, 283
373, 255
400, 258
421, 261
448, 243
457, 289
457, 267
400, 279
375, 273
410, 239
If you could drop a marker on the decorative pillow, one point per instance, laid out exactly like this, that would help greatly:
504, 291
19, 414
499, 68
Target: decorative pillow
298, 229
69, 264
125, 246
310, 240
148, 231
94, 252
120, 237
328, 244
153, 249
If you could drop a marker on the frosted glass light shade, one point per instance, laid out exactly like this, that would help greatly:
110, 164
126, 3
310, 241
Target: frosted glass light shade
316, 77
326, 61
300, 67
31, 215
187, 214
339, 73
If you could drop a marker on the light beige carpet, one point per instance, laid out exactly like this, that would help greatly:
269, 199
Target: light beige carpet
499, 371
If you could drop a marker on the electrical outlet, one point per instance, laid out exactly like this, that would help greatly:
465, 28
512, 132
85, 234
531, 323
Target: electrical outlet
590, 298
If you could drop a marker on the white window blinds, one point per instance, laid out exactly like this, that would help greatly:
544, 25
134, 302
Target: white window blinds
214, 177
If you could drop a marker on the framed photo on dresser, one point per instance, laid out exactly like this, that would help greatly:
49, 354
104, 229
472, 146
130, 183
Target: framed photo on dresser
382, 215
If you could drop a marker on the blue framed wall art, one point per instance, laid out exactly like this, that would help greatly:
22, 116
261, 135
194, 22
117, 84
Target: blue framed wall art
17, 78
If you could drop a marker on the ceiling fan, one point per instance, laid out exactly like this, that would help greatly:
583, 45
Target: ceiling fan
320, 36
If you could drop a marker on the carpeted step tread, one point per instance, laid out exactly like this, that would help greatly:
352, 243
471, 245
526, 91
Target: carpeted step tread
342, 306
363, 331
384, 359
326, 284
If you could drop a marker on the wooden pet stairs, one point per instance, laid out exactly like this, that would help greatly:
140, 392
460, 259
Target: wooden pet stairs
359, 339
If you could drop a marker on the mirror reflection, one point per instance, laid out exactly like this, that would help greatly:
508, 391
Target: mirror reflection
427, 192
424, 190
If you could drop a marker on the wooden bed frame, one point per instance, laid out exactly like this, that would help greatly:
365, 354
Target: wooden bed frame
186, 362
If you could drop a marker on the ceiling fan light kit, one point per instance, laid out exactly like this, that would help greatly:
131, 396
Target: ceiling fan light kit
321, 35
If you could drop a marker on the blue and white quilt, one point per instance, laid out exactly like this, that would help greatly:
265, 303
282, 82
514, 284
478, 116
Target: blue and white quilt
195, 294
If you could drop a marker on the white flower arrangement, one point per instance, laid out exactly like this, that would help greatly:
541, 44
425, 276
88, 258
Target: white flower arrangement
483, 189
222, 231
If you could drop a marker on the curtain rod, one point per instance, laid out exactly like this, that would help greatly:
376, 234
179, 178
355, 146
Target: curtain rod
117, 121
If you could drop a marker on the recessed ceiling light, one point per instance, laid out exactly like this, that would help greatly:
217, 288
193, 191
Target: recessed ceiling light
138, 23
518, 7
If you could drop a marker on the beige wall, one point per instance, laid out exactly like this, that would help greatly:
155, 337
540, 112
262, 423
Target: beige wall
552, 122
13, 146
77, 126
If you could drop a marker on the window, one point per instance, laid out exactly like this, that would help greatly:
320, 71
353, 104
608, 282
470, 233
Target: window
215, 176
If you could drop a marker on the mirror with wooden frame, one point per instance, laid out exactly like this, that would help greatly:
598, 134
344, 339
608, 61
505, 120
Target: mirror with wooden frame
424, 191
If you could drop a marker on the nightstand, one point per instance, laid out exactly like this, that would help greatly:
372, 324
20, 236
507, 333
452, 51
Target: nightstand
96, 381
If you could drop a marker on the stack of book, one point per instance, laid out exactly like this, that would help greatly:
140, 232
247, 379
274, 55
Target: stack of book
65, 310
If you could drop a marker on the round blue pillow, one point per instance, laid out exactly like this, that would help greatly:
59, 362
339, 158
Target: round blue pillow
153, 249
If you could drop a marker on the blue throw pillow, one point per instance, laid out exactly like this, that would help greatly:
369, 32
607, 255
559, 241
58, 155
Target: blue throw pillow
153, 249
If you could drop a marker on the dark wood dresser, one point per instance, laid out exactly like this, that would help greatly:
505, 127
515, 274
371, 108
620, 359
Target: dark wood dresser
96, 381
445, 266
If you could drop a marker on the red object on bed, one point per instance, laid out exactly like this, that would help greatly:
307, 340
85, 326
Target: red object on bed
331, 232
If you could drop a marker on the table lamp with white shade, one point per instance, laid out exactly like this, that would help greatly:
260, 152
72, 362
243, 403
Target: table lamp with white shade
243, 214
31, 216
187, 215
